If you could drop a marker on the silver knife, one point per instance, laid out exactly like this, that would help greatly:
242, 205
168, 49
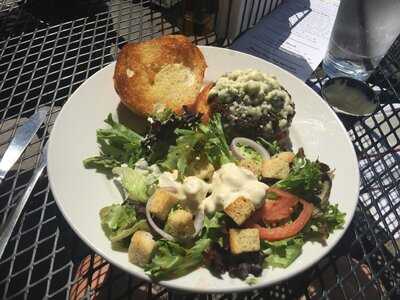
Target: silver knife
22, 138
7, 228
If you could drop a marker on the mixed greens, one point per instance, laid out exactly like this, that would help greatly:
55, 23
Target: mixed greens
176, 181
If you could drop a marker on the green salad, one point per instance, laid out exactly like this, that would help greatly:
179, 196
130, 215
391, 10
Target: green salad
209, 195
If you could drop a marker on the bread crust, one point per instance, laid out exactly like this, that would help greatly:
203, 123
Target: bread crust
138, 65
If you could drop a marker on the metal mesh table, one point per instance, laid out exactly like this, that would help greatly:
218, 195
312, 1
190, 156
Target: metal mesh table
48, 50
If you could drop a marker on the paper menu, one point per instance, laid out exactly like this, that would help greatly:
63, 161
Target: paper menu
295, 36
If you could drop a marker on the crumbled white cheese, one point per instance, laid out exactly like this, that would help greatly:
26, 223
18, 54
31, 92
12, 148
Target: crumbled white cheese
129, 72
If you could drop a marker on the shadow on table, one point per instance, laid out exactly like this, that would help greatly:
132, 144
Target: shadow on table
266, 38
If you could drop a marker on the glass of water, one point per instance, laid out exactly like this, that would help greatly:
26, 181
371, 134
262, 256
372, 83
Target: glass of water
363, 32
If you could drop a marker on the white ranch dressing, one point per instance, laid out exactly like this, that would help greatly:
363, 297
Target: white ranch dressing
190, 193
228, 183
231, 182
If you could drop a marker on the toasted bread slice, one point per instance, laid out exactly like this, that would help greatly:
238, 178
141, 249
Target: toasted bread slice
165, 72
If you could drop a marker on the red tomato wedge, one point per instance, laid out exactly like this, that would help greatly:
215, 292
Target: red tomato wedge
275, 210
281, 209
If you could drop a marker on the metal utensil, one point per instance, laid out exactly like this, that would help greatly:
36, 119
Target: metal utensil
7, 228
21, 140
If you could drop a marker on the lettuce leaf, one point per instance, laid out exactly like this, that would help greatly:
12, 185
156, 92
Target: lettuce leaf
116, 218
214, 227
138, 185
118, 145
216, 147
171, 260
325, 221
207, 141
189, 145
119, 223
281, 254
250, 153
102, 163
121, 241
273, 148
304, 178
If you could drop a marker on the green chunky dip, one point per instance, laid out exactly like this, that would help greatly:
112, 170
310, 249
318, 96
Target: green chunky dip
253, 103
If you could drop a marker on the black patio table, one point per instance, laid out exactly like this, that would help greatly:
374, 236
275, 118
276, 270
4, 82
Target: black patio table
48, 48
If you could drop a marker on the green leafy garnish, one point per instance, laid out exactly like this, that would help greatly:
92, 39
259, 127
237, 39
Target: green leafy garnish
118, 145
137, 185
188, 146
304, 178
171, 260
216, 147
206, 141
249, 153
272, 148
213, 227
161, 134
271, 195
163, 115
325, 221
281, 254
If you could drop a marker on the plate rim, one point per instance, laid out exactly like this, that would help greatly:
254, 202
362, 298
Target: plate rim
167, 283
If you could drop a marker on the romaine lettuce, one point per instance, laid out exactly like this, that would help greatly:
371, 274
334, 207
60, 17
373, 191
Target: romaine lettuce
137, 184
118, 145
281, 254
171, 260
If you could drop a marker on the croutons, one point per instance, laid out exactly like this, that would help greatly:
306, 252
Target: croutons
141, 248
275, 168
180, 224
161, 203
240, 210
251, 165
286, 156
244, 240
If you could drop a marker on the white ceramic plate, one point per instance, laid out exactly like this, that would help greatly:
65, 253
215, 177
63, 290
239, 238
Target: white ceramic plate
81, 193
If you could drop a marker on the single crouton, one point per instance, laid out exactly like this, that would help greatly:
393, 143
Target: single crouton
161, 203
240, 210
180, 224
251, 165
141, 248
275, 168
286, 156
244, 240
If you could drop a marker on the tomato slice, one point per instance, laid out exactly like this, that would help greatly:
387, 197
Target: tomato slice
288, 230
274, 211
278, 210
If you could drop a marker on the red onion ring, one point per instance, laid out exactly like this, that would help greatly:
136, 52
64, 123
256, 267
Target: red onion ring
249, 143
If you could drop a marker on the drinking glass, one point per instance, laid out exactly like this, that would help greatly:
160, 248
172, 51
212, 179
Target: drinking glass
363, 32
